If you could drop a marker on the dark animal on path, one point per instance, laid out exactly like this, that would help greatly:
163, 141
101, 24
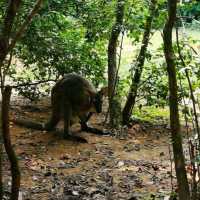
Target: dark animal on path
74, 98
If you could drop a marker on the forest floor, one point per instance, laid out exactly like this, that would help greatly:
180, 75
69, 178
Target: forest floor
105, 168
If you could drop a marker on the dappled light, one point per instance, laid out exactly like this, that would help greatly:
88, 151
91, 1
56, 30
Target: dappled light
100, 100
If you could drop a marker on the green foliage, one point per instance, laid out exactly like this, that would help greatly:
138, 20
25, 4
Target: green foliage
154, 84
160, 15
192, 61
2, 12
190, 11
173, 196
152, 114
135, 18
66, 36
153, 88
71, 36
56, 45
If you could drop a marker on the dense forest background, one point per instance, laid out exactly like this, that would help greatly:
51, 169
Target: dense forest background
145, 52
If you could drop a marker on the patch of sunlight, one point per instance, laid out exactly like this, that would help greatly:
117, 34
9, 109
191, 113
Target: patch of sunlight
152, 114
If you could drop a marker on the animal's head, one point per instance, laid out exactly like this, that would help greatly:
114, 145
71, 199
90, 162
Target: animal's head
98, 99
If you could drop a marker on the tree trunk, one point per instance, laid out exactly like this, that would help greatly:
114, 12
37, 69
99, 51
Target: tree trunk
130, 102
11, 11
7, 143
5, 47
1, 158
112, 61
183, 187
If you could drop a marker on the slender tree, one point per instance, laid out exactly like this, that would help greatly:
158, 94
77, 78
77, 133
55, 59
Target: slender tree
7, 43
183, 187
11, 11
112, 61
189, 84
15, 171
130, 102
1, 152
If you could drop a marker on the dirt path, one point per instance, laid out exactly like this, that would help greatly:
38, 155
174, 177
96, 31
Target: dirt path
104, 168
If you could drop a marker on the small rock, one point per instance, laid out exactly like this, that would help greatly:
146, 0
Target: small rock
99, 197
120, 163
61, 163
47, 174
70, 197
137, 147
162, 153
75, 193
133, 198
35, 178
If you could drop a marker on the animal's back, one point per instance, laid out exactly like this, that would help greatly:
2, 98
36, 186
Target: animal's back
74, 89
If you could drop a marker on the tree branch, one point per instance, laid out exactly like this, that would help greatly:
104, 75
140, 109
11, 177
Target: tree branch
36, 83
11, 11
9, 18
25, 24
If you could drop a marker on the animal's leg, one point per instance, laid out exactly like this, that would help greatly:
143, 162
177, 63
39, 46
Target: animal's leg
55, 117
67, 119
83, 121
84, 126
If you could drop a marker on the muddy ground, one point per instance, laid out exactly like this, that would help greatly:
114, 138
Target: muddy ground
105, 168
